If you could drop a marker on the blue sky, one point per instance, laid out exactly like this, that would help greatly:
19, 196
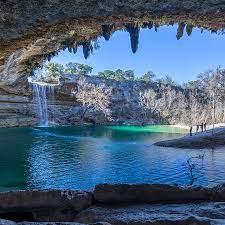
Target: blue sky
159, 52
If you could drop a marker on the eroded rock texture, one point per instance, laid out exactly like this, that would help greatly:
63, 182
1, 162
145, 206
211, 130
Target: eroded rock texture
64, 109
125, 105
114, 194
121, 204
167, 214
32, 31
43, 205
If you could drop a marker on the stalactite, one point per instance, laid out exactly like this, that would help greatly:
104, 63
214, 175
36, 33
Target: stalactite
70, 49
75, 48
189, 29
214, 31
106, 31
49, 57
156, 27
134, 35
71, 45
144, 25
87, 49
150, 25
180, 31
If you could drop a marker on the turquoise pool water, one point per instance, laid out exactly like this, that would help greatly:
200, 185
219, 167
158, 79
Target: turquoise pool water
81, 157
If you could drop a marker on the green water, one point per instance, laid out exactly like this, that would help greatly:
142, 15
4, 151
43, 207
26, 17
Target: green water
79, 157
151, 129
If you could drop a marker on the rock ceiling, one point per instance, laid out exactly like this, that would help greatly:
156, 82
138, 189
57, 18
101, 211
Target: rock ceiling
33, 31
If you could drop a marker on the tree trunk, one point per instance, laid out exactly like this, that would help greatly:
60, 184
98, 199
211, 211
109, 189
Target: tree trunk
214, 113
83, 114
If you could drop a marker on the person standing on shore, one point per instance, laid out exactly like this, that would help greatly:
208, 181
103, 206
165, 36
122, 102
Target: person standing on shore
191, 128
197, 128
205, 126
202, 127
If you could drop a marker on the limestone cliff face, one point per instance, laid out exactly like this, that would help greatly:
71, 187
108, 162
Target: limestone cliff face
125, 105
15, 111
21, 109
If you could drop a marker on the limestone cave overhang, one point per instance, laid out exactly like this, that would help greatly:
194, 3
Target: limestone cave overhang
33, 31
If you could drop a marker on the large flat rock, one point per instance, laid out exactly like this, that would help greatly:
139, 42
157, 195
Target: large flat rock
43, 205
149, 193
166, 214
116, 204
8, 222
57, 223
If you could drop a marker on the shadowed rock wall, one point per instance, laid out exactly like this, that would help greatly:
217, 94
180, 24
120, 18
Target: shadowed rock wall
33, 30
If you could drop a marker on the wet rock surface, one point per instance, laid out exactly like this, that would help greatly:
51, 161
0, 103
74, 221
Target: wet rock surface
43, 205
166, 214
116, 204
124, 193
8, 222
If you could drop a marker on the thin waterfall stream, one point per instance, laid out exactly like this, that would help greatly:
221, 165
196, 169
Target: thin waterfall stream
41, 91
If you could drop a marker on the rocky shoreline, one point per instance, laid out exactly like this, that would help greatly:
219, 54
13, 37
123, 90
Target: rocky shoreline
205, 140
117, 204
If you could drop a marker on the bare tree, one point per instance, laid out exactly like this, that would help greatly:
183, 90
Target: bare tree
93, 97
148, 100
210, 81
192, 166
168, 103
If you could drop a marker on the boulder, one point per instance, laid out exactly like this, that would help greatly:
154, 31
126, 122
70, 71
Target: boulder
148, 193
218, 193
156, 214
7, 222
57, 223
43, 205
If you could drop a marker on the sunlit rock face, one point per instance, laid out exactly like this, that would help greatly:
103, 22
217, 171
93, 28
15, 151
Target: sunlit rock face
125, 104
34, 31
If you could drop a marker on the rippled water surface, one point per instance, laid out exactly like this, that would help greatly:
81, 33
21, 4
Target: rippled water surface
81, 157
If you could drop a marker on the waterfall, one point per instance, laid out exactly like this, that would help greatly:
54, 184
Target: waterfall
52, 94
40, 100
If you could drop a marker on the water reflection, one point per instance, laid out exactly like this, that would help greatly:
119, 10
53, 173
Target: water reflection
81, 157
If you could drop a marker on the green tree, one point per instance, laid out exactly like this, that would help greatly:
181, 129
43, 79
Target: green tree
119, 75
129, 75
84, 69
148, 77
167, 80
54, 69
71, 68
107, 74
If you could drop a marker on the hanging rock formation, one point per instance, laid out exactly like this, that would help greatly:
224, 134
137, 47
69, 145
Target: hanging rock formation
33, 31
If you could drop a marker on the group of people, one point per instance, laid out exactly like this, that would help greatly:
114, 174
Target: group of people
202, 127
